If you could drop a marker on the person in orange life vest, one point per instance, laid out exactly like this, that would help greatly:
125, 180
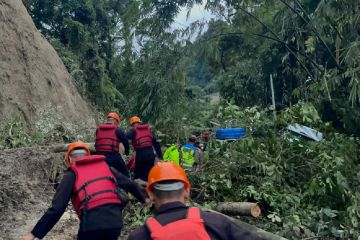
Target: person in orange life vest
92, 187
144, 142
107, 143
169, 188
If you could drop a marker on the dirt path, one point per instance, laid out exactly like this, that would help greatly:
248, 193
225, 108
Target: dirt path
26, 191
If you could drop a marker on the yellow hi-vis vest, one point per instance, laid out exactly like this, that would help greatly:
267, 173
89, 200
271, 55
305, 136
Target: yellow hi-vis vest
171, 154
188, 159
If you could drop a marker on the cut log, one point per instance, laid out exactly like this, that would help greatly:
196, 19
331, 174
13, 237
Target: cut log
239, 209
251, 228
63, 147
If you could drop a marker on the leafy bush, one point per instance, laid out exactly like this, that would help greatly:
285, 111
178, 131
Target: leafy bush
305, 188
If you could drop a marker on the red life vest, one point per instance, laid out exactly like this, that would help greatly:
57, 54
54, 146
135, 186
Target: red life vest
95, 184
190, 228
143, 137
106, 139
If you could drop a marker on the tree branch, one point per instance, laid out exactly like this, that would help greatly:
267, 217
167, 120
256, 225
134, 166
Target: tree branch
278, 38
309, 22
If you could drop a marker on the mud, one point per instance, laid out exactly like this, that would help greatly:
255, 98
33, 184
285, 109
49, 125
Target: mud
27, 177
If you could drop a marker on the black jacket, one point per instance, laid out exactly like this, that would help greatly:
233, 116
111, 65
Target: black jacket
102, 217
216, 225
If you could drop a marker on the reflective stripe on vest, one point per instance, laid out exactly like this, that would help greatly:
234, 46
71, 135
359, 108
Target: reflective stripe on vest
187, 156
95, 184
190, 228
106, 139
143, 137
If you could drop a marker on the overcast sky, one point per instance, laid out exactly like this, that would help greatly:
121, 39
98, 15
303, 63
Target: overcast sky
197, 13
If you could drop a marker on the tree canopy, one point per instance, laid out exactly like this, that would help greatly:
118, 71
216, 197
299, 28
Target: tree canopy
126, 56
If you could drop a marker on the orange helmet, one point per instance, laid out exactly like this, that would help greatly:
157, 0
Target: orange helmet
76, 145
135, 119
114, 116
163, 171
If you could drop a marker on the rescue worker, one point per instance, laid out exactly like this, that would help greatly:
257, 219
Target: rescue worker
144, 142
92, 188
190, 155
171, 154
107, 143
169, 188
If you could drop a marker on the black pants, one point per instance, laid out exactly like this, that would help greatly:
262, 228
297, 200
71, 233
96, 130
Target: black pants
144, 161
107, 234
115, 160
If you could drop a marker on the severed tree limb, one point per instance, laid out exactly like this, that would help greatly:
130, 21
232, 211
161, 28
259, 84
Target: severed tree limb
63, 147
239, 209
250, 228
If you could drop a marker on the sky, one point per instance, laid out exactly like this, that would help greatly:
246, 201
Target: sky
198, 12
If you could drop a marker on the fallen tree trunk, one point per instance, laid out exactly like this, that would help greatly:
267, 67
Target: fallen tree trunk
251, 228
63, 147
239, 209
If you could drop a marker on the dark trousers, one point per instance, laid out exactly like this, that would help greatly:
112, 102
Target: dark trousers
115, 160
107, 234
144, 161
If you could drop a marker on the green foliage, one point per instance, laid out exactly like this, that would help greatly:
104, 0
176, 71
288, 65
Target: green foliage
84, 33
136, 215
13, 135
125, 57
306, 189
45, 132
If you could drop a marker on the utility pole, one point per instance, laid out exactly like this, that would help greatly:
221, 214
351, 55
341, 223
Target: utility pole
273, 97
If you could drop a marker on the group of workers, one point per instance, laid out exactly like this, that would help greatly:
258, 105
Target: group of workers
95, 185
109, 136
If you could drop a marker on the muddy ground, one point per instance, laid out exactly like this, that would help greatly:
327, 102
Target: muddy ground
27, 177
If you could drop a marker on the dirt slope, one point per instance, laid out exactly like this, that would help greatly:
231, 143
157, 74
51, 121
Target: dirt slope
26, 190
33, 80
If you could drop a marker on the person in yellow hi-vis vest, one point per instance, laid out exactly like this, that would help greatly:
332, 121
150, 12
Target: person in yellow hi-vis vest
190, 155
171, 154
